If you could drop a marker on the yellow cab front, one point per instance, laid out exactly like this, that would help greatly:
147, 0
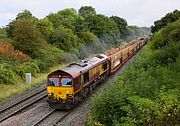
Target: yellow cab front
60, 91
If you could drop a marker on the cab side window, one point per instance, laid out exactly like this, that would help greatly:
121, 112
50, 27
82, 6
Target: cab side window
104, 66
76, 83
86, 77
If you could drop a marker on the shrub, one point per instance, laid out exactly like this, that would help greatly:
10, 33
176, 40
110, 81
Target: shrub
2, 33
7, 75
166, 36
27, 67
50, 56
6, 49
88, 36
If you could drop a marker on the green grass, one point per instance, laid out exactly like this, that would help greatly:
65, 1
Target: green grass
9, 90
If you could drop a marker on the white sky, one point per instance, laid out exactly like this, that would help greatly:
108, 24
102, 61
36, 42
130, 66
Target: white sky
135, 12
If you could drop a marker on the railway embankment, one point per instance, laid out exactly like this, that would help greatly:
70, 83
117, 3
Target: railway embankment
148, 91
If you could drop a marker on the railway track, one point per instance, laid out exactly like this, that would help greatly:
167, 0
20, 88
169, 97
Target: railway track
49, 117
22, 104
44, 118
54, 117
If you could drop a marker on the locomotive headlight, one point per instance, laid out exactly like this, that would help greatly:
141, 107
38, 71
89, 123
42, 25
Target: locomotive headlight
69, 95
51, 94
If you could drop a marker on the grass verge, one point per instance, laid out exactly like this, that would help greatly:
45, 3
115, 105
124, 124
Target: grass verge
9, 90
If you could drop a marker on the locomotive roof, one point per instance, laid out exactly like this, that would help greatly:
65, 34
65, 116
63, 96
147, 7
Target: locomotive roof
82, 66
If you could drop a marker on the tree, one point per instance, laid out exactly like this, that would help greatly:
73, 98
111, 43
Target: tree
121, 24
26, 37
2, 33
64, 39
88, 36
66, 18
45, 27
101, 25
168, 18
24, 15
86, 10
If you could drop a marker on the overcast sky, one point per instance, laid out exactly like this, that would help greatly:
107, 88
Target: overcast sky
135, 12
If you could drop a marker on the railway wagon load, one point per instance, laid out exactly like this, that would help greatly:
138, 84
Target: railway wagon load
71, 84
118, 57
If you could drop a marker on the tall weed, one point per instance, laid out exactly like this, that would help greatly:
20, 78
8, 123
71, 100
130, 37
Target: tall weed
6, 49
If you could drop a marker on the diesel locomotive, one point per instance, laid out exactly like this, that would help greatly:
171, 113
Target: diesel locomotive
71, 84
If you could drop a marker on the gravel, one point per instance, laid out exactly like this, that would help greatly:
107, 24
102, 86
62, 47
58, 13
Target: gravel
22, 105
19, 97
29, 117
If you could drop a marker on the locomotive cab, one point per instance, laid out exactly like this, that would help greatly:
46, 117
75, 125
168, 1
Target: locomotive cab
60, 90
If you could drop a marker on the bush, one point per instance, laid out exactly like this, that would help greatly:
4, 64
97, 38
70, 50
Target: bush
27, 67
6, 49
166, 36
148, 92
50, 56
7, 74
2, 33
88, 36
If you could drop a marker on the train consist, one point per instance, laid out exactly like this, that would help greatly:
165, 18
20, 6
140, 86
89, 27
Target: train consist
71, 84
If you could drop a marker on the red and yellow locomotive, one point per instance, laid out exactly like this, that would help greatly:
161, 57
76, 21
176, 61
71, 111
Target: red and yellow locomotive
70, 84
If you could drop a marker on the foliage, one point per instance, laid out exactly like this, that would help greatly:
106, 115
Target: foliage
100, 25
165, 43
121, 24
148, 92
81, 25
34, 45
168, 18
88, 36
51, 56
26, 37
2, 33
7, 74
64, 39
45, 27
27, 67
87, 10
66, 18
13, 70
6, 49
25, 14
166, 36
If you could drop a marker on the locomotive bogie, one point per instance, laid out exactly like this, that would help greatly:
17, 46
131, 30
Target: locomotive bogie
61, 104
